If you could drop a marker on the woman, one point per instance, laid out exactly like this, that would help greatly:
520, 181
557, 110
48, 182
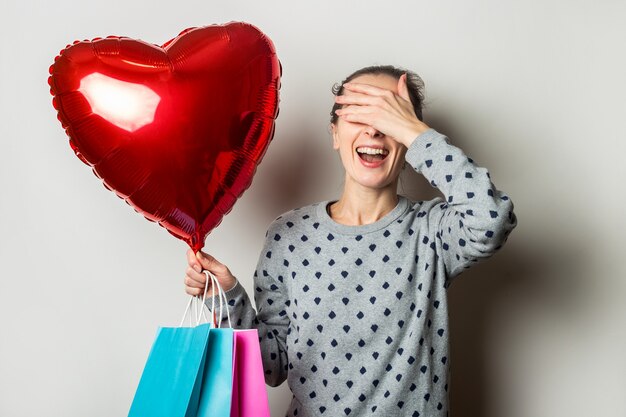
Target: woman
351, 303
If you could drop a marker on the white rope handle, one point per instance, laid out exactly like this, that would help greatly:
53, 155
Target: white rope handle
222, 299
182, 321
190, 305
214, 284
199, 309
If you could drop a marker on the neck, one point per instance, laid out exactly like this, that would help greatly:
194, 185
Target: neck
361, 205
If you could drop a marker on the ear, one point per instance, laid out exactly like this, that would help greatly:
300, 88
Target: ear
403, 90
333, 128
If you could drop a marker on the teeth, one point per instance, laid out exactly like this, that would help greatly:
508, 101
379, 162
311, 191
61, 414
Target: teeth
372, 151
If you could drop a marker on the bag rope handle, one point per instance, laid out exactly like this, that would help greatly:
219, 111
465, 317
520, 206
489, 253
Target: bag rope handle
222, 298
199, 308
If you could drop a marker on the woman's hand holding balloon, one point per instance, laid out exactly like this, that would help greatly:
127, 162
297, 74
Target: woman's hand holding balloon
195, 279
390, 113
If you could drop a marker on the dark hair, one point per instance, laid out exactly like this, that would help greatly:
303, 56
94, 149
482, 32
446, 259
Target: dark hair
414, 84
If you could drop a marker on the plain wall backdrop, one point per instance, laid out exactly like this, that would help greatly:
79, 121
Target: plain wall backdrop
532, 90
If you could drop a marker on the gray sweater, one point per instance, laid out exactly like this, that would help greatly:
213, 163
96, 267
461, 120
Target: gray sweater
356, 317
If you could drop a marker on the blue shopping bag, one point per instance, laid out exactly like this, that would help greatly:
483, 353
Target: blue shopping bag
171, 380
217, 382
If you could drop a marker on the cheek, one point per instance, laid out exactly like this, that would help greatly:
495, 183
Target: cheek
343, 138
399, 162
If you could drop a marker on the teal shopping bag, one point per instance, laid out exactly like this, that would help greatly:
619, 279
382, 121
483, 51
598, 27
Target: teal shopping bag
171, 380
217, 382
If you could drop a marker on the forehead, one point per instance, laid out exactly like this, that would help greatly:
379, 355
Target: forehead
378, 80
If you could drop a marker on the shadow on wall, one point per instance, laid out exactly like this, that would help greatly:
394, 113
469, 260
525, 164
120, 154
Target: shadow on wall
299, 171
544, 276
471, 300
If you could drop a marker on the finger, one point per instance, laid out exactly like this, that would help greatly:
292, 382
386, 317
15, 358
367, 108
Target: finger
206, 261
367, 89
359, 99
357, 114
193, 291
211, 264
193, 261
356, 109
197, 277
403, 90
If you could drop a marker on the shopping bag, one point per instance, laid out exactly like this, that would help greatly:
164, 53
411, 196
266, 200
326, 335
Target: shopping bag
249, 390
203, 371
171, 380
217, 382
233, 383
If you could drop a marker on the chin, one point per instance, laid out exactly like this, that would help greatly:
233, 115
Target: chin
375, 179
376, 183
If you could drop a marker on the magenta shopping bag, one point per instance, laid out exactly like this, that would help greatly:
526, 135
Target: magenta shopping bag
249, 390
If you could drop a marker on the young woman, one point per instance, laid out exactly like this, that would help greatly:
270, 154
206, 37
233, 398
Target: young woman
351, 302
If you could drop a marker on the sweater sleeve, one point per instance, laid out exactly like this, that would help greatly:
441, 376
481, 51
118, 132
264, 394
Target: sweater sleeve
272, 321
270, 318
476, 218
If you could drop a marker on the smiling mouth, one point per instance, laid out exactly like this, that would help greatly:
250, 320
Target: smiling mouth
372, 154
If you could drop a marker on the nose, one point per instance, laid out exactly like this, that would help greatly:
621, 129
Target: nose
369, 130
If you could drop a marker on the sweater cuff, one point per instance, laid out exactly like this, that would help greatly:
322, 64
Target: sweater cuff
232, 294
416, 152
235, 291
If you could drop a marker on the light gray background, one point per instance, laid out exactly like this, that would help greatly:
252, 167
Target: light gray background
533, 90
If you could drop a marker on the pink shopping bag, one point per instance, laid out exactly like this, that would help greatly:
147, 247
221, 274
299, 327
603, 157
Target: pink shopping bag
249, 391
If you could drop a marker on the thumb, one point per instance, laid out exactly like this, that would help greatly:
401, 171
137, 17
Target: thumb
208, 262
403, 90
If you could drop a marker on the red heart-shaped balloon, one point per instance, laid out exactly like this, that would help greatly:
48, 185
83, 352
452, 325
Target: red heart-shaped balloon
176, 130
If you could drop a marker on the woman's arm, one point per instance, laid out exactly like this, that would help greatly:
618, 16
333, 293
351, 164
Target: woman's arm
271, 297
476, 218
270, 319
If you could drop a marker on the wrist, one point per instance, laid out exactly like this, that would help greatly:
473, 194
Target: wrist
412, 133
230, 285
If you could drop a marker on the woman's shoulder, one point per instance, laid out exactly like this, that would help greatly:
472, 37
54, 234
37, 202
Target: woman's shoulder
293, 219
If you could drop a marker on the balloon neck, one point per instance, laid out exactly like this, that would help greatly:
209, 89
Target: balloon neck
195, 242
